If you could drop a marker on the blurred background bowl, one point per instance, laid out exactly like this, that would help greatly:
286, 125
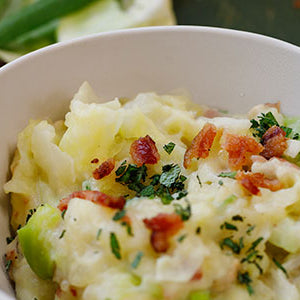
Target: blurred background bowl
228, 69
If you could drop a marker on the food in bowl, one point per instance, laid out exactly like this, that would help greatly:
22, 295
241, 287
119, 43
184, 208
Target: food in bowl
156, 198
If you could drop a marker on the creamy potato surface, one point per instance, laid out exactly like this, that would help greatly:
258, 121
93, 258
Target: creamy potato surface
156, 198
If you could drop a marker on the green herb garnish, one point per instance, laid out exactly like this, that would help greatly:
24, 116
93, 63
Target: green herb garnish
280, 266
220, 182
98, 233
198, 230
181, 238
62, 234
170, 175
235, 247
119, 215
137, 260
199, 181
63, 213
115, 247
244, 278
184, 213
228, 226
237, 218
255, 244
228, 175
169, 147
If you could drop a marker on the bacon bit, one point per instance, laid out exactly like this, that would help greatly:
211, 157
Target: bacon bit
197, 276
144, 151
73, 292
240, 148
104, 169
95, 161
275, 105
274, 141
58, 292
252, 181
163, 226
201, 144
95, 197
211, 113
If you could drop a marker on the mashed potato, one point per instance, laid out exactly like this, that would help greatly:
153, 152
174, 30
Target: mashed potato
151, 199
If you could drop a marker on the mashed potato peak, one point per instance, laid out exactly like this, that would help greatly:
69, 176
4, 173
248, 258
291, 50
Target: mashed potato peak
150, 199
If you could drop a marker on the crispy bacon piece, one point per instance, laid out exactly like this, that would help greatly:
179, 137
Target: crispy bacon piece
240, 148
104, 169
163, 226
252, 181
144, 151
73, 291
275, 142
94, 161
95, 197
201, 144
197, 276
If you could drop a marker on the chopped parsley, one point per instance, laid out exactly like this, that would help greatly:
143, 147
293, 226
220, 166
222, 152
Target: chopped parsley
184, 213
265, 122
9, 240
280, 266
181, 238
169, 147
255, 244
62, 234
237, 218
229, 199
115, 247
234, 246
198, 230
137, 260
98, 233
8, 265
244, 278
199, 181
227, 175
164, 185
228, 226
128, 228
250, 229
119, 215
63, 213
220, 182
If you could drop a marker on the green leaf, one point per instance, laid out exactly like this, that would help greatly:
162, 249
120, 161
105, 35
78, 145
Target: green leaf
244, 278
115, 247
148, 191
229, 226
137, 260
169, 147
184, 213
169, 176
235, 247
119, 215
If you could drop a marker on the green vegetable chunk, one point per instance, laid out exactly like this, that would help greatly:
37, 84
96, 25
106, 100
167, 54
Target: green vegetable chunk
199, 295
35, 242
35, 15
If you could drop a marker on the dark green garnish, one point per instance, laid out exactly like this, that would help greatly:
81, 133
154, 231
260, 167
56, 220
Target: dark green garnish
115, 247
198, 230
228, 226
181, 238
280, 266
31, 212
9, 240
8, 265
237, 218
98, 233
244, 278
62, 234
128, 228
251, 228
265, 122
228, 175
220, 182
119, 215
169, 147
184, 213
63, 213
199, 181
235, 247
137, 260
163, 185
255, 244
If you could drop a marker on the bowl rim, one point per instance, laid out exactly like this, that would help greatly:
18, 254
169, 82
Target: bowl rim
238, 34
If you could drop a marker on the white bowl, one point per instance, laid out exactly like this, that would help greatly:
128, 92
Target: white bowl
224, 68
